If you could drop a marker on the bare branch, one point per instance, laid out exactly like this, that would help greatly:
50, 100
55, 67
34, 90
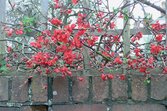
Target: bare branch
152, 5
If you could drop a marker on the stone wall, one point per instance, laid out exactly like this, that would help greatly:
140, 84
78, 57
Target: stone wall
92, 94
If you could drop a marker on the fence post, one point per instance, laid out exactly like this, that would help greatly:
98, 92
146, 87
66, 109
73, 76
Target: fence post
44, 11
126, 49
126, 34
166, 21
85, 49
2, 19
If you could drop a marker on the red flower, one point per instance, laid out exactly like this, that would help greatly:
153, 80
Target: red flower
100, 14
56, 1
41, 58
70, 28
120, 15
139, 35
69, 57
55, 21
60, 36
64, 70
165, 70
133, 39
91, 41
137, 51
9, 49
155, 49
122, 77
76, 42
74, 2
99, 29
80, 78
56, 70
103, 77
57, 5
36, 45
47, 71
110, 76
8, 65
159, 37
112, 25
117, 60
9, 32
142, 69
68, 11
61, 48
116, 38
19, 32
106, 54
151, 60
46, 32
52, 62
157, 26
29, 64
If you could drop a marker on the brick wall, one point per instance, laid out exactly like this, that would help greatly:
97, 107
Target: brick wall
92, 94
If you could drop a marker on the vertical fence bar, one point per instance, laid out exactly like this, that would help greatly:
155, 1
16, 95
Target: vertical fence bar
126, 48
44, 11
50, 93
85, 49
2, 19
166, 20
126, 34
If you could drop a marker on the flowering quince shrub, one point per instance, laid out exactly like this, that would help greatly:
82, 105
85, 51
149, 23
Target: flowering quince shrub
73, 27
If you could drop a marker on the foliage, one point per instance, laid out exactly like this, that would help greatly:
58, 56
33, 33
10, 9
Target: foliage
77, 30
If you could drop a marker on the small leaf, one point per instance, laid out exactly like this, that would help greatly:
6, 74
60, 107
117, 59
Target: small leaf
147, 81
3, 68
115, 10
125, 60
126, 17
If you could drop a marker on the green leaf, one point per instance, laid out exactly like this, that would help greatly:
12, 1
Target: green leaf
147, 81
3, 68
126, 17
28, 20
125, 60
115, 10
110, 70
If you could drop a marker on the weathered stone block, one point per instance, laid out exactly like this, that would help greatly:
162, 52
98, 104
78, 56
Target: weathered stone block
4, 88
141, 107
33, 108
159, 87
80, 89
8, 109
60, 89
119, 89
92, 107
139, 89
39, 89
100, 89
19, 89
